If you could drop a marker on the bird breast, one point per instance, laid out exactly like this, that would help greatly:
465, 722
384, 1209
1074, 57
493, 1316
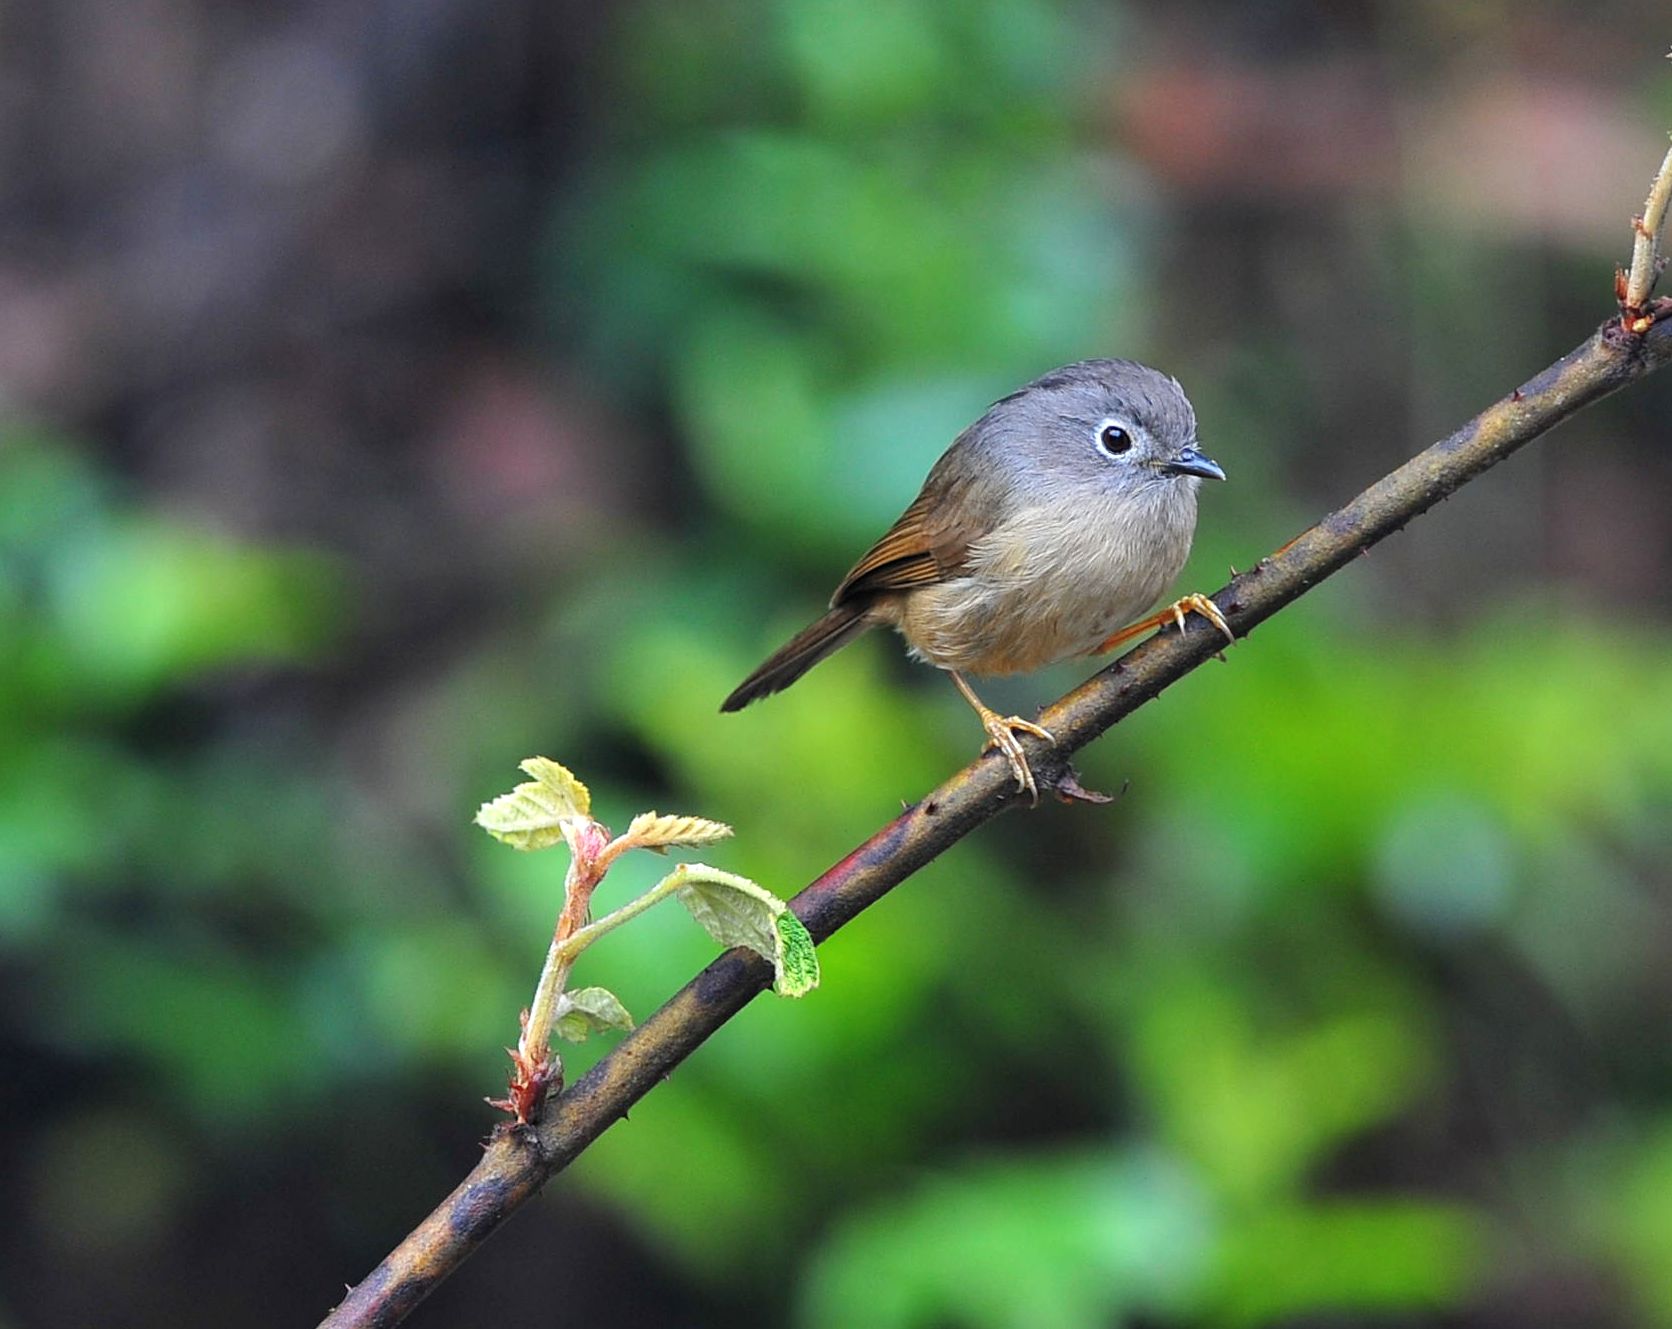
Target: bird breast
1052, 581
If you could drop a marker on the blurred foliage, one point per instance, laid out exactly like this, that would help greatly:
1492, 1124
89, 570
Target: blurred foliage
817, 288
1344, 1013
107, 611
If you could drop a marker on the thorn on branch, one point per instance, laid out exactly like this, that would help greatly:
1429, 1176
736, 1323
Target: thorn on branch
1067, 787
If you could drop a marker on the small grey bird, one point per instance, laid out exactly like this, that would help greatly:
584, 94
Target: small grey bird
1060, 515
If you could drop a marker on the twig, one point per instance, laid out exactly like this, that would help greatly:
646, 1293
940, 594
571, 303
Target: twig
582, 879
520, 1158
536, 1069
1646, 262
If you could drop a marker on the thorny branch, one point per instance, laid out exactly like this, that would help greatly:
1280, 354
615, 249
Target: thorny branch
520, 1159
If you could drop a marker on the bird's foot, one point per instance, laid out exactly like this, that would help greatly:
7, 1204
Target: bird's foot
1174, 614
1206, 608
1001, 734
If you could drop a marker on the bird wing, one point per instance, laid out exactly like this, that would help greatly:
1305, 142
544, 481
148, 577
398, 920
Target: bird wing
929, 543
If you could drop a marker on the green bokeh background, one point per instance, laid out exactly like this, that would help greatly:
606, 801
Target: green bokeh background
395, 392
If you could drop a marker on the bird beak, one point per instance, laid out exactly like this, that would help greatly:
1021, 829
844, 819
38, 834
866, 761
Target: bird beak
1192, 462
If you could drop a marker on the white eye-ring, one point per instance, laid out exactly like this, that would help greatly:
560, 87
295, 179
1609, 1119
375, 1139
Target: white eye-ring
1113, 438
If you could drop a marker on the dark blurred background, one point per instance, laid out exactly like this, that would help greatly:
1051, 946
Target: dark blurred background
392, 391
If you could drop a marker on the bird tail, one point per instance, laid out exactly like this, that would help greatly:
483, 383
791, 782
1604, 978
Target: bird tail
835, 630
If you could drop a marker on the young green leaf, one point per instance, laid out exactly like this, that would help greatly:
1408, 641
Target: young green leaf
590, 1010
652, 830
732, 909
737, 912
796, 962
532, 815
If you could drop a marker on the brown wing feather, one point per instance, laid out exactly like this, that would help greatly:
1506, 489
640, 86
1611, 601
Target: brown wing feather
901, 559
931, 541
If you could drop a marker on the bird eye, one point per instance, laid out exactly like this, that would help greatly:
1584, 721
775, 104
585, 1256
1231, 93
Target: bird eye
1114, 440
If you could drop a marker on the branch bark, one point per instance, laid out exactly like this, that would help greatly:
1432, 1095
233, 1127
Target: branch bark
520, 1159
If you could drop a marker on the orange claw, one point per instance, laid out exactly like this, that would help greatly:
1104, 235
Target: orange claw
1173, 613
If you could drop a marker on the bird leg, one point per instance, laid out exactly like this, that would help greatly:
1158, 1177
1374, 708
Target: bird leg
1173, 613
1001, 734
